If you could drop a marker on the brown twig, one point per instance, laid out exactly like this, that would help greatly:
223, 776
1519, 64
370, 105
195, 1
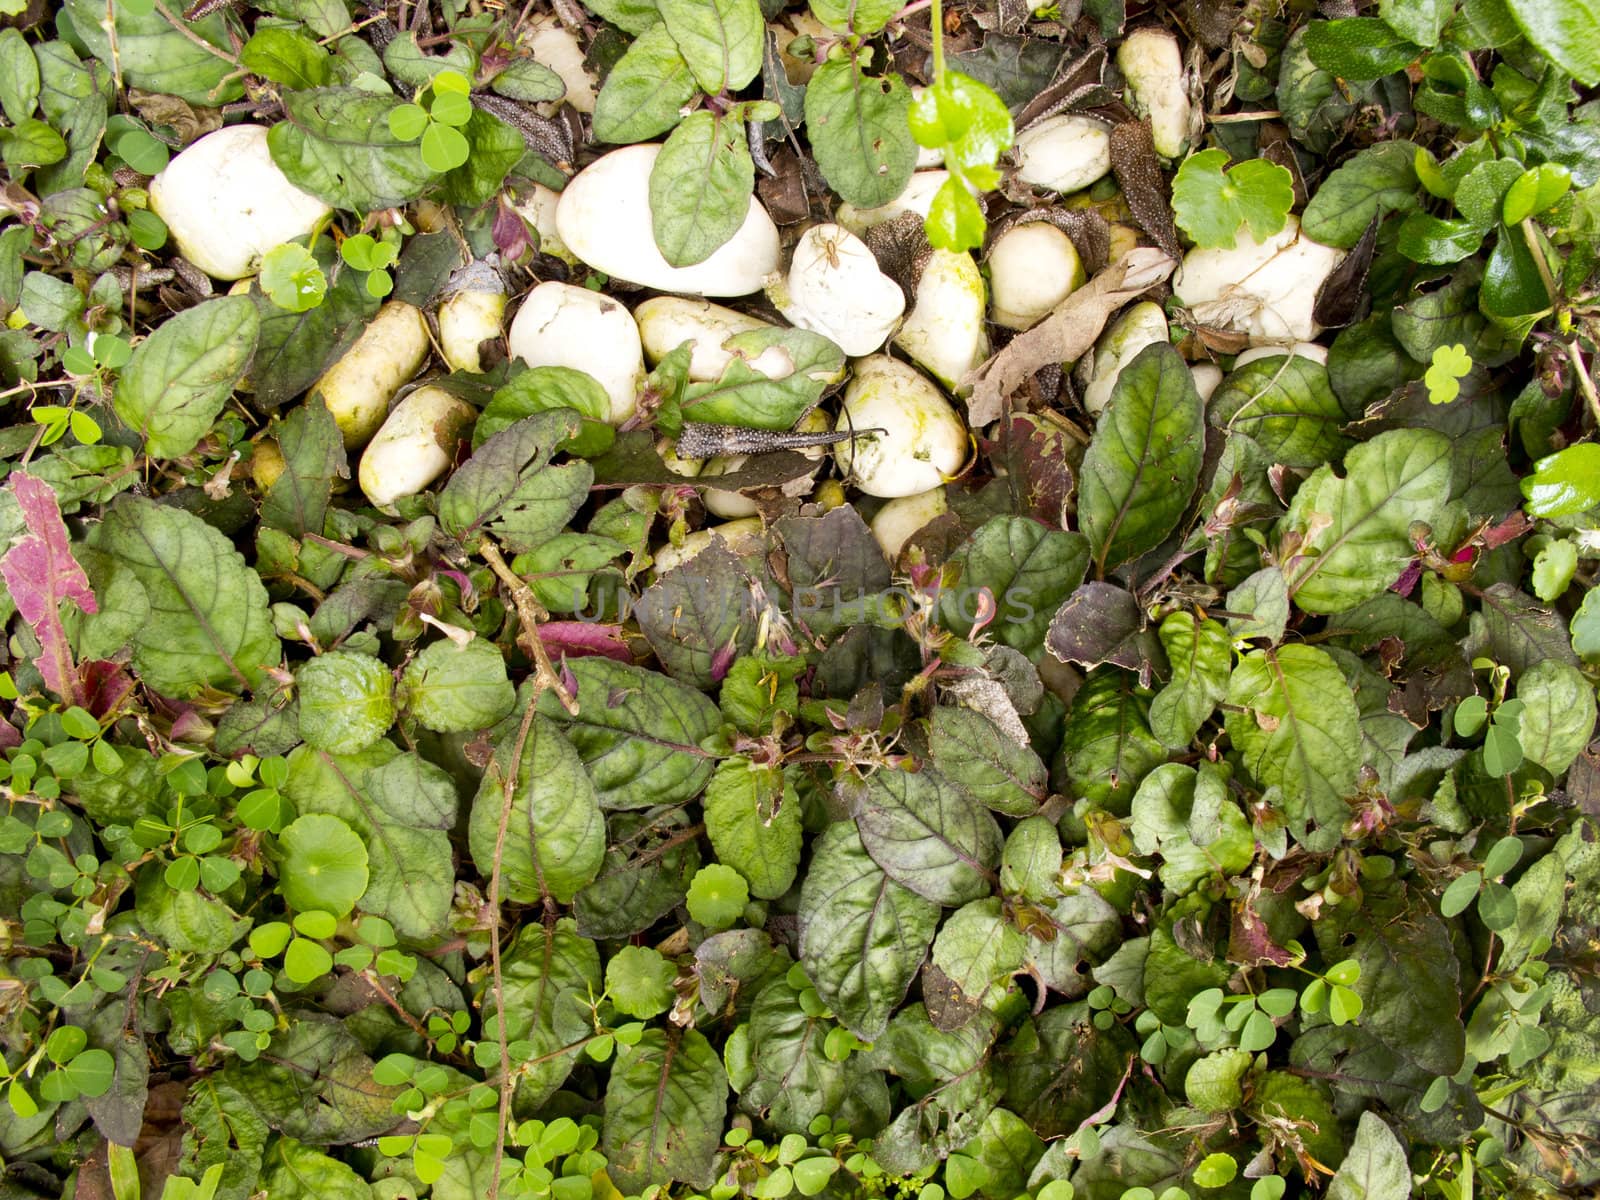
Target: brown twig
529, 613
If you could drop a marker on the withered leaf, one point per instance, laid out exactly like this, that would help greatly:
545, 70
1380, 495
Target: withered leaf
1066, 333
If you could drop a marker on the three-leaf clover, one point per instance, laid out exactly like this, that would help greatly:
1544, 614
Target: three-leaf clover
1212, 204
1450, 365
444, 146
366, 253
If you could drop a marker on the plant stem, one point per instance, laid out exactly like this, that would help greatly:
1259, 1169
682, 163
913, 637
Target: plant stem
937, 23
545, 677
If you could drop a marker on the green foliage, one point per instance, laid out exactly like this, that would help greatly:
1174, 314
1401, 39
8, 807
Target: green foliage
1200, 803
1213, 205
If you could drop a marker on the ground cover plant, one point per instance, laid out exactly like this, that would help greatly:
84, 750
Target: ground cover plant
711, 598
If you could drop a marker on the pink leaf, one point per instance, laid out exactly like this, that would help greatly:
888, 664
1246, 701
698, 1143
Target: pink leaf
581, 639
41, 572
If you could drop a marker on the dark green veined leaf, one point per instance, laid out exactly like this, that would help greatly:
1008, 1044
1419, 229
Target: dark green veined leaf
1380, 179
971, 750
286, 57
646, 873
454, 689
719, 39
1186, 817
543, 970
539, 389
1358, 48
630, 16
336, 144
979, 950
860, 132
638, 733
313, 457
402, 807
1375, 1166
862, 935
555, 835
645, 93
295, 1171
1143, 463
1297, 729
1107, 742
1081, 928
1516, 631
862, 19
181, 375
699, 615
795, 1080
207, 620
19, 77
293, 348
1409, 984
1286, 405
929, 834
752, 816
224, 1130
1027, 569
493, 149
1558, 714
1201, 654
508, 487
1353, 532
665, 1105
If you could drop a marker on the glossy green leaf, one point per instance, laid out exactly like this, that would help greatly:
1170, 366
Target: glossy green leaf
180, 377
1143, 463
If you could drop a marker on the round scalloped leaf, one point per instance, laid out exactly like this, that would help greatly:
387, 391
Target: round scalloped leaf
324, 864
346, 701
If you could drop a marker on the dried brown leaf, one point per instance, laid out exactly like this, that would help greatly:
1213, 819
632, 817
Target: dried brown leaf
1066, 333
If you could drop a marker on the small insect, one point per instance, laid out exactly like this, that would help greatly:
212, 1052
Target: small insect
702, 439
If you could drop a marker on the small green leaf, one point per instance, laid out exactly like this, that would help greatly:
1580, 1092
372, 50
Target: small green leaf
1463, 890
954, 221
1497, 907
1450, 365
717, 896
1216, 1170
444, 148
1536, 190
1565, 483
306, 962
324, 864
292, 278
408, 121
640, 981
